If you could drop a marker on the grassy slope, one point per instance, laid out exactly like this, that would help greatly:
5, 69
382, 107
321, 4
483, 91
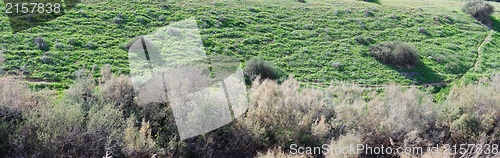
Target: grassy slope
305, 39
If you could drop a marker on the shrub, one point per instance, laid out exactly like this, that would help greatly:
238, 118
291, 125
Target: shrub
75, 42
56, 127
396, 53
120, 91
118, 20
368, 12
364, 40
302, 1
295, 116
105, 127
46, 58
344, 142
473, 109
279, 153
257, 67
479, 9
41, 43
138, 143
140, 19
90, 45
162, 18
423, 31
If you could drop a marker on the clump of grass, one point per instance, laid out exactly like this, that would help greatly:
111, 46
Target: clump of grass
396, 53
479, 9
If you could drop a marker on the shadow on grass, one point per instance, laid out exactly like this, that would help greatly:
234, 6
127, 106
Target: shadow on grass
495, 24
421, 74
372, 1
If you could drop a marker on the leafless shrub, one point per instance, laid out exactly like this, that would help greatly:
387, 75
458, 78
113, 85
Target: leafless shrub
473, 109
105, 128
117, 89
278, 153
280, 114
343, 142
392, 119
82, 90
138, 143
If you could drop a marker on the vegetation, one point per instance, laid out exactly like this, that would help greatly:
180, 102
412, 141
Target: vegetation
257, 67
288, 35
65, 92
84, 123
396, 53
479, 9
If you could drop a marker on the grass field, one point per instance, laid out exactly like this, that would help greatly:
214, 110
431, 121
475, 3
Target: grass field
339, 95
314, 41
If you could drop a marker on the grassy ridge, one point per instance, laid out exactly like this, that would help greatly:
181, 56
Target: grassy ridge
314, 41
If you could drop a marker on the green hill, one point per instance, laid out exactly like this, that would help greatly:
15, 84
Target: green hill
316, 41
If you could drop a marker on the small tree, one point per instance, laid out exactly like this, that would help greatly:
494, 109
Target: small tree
396, 53
479, 9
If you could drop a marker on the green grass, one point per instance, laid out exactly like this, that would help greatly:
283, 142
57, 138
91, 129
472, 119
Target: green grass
314, 41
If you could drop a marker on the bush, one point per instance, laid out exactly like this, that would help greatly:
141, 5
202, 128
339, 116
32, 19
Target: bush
41, 43
118, 20
423, 31
368, 12
139, 143
479, 9
364, 40
257, 67
90, 45
295, 116
396, 53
